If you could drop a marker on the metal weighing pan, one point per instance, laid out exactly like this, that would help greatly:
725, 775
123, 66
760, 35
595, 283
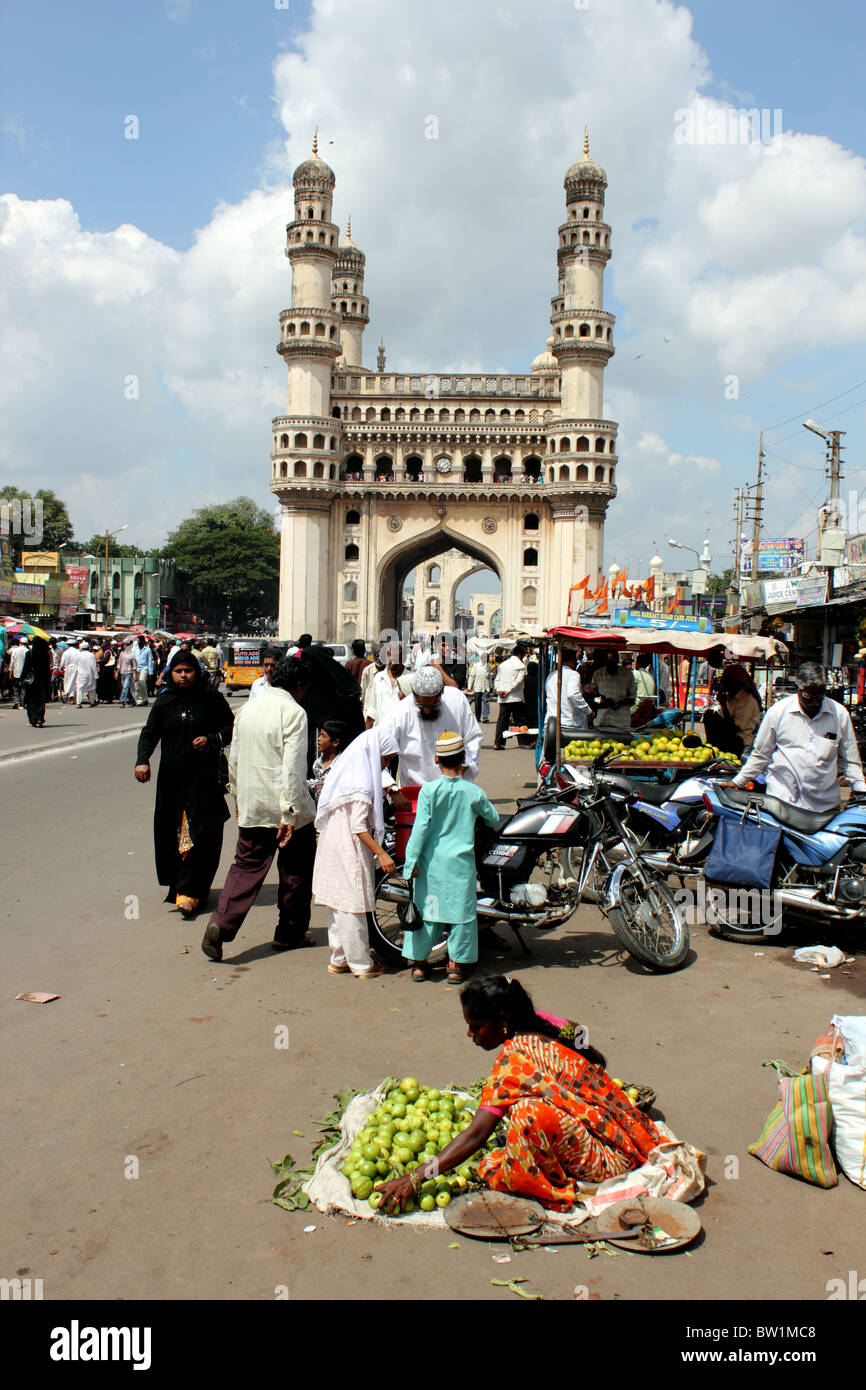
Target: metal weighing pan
619, 1223
489, 1215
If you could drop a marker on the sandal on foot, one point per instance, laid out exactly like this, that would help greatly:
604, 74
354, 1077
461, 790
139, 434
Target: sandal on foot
375, 970
338, 969
212, 942
420, 972
455, 974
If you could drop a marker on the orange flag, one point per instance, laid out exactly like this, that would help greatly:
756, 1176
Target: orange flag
675, 601
650, 590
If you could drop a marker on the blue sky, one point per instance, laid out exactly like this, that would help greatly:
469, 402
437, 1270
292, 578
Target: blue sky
225, 111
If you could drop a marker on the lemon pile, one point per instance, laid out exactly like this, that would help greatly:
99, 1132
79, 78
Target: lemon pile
662, 748
411, 1125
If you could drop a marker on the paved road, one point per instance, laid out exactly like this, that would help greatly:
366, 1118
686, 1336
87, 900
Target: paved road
141, 1059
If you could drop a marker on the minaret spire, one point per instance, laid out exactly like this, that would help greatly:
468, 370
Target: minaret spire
349, 227
586, 142
316, 141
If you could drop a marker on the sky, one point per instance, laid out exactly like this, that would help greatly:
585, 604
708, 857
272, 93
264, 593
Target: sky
146, 155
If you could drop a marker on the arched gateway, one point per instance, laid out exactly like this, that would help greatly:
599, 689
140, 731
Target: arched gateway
378, 472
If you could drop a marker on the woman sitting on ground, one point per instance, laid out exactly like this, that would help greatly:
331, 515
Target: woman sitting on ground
565, 1121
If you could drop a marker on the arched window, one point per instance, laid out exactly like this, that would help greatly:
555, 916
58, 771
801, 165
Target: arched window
284, 470
342, 306
608, 335
309, 212
459, 416
505, 414
371, 413
569, 330
354, 466
530, 558
586, 238
520, 414
320, 330
599, 445
502, 470
474, 415
399, 413
353, 518
600, 474
564, 473
386, 413
481, 610
333, 444
356, 412
599, 330
565, 445
318, 441
350, 592
611, 449
444, 414
318, 470
530, 596
586, 212
584, 330
300, 470
490, 414
434, 574
384, 468
582, 473
291, 330
284, 441
305, 329
531, 522
300, 441
429, 414
336, 412
552, 475
532, 467
415, 414
432, 610
414, 467
351, 553
472, 469
582, 445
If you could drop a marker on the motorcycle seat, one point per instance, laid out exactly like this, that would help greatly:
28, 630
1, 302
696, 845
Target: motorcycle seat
794, 817
656, 793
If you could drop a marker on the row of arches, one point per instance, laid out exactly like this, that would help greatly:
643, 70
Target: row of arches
323, 238
299, 470
581, 445
572, 215
472, 473
414, 468
302, 330
300, 442
584, 331
443, 415
584, 239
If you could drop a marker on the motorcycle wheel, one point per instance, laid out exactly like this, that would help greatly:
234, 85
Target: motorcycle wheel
386, 930
735, 922
650, 925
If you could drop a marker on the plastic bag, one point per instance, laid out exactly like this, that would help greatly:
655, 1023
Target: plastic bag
819, 955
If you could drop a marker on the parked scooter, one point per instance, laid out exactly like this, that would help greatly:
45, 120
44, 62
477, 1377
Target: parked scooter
535, 870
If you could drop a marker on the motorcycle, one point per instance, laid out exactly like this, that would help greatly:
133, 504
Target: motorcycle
820, 866
535, 870
671, 823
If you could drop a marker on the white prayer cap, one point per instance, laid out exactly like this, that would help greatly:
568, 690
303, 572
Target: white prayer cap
428, 681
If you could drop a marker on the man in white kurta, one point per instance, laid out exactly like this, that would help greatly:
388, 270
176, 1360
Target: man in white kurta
86, 672
387, 689
69, 671
413, 729
804, 745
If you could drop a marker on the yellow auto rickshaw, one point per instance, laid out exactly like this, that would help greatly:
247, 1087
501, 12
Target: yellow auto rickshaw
243, 664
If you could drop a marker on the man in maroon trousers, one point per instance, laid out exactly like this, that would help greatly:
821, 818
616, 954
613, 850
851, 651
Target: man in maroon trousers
275, 811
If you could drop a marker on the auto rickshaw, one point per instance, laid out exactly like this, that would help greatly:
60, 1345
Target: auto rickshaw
243, 664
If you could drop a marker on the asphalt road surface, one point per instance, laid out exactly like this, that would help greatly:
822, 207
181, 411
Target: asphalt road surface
141, 1066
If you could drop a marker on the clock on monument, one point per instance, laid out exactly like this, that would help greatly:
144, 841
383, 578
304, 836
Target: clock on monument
443, 465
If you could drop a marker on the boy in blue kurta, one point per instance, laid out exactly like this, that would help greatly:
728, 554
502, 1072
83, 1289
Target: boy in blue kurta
440, 857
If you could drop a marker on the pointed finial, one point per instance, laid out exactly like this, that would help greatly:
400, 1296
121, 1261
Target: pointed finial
316, 140
586, 142
349, 227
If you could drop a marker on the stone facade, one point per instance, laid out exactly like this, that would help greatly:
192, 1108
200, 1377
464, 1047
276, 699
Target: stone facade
379, 472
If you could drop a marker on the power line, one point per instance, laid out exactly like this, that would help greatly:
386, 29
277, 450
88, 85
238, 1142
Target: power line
856, 387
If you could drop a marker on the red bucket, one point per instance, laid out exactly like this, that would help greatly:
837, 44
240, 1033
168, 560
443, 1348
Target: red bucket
405, 820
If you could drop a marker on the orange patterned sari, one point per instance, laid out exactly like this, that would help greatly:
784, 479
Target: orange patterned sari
565, 1121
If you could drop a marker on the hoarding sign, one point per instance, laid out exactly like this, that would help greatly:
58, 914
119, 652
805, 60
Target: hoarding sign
780, 553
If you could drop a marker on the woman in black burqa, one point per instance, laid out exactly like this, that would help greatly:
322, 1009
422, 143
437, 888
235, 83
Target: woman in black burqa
193, 722
36, 681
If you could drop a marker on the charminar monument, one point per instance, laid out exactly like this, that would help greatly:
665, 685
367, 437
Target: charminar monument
379, 471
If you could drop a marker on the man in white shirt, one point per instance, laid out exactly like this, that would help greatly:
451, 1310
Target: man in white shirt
275, 813
17, 657
804, 745
616, 690
478, 686
510, 678
575, 710
386, 690
412, 731
262, 683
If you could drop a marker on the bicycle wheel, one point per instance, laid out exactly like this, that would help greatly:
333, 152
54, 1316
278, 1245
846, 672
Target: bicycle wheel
650, 925
386, 929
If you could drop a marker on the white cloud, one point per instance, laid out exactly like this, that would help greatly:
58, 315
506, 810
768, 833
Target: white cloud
731, 254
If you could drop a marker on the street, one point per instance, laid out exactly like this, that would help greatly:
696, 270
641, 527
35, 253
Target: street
140, 1067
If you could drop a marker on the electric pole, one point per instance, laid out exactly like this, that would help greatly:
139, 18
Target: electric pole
756, 520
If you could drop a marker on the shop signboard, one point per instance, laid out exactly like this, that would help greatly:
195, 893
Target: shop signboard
21, 593
779, 553
624, 618
811, 591
77, 575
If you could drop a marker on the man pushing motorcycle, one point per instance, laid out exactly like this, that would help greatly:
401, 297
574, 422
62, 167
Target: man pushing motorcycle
805, 744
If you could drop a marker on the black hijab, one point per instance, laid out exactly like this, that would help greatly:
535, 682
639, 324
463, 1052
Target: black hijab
171, 693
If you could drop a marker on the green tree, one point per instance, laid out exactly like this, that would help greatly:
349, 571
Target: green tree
96, 546
719, 583
56, 525
229, 555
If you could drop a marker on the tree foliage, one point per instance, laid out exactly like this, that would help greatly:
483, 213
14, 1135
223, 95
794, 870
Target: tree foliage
229, 554
96, 546
56, 525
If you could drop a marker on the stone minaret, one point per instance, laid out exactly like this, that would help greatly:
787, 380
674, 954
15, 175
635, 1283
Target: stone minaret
348, 300
308, 441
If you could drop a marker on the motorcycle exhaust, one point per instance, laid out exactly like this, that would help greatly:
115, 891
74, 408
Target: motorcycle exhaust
807, 899
398, 893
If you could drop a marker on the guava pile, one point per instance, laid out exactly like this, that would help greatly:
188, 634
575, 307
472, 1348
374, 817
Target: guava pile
411, 1125
662, 748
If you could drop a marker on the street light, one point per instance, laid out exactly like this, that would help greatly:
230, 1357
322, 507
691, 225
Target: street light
700, 570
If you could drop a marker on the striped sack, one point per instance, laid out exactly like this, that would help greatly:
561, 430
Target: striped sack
796, 1135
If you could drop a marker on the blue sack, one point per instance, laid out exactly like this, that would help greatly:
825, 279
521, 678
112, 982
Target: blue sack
743, 854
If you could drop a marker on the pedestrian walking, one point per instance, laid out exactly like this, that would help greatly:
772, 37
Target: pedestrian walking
478, 686
127, 669
440, 859
333, 738
36, 682
192, 724
350, 822
359, 662
387, 689
17, 656
85, 676
69, 672
510, 680
144, 669
411, 732
270, 657
275, 813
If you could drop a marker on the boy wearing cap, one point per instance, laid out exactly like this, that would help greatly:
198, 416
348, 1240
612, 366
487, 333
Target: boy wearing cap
440, 858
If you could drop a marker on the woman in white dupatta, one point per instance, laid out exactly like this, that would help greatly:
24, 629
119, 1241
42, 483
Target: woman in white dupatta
350, 822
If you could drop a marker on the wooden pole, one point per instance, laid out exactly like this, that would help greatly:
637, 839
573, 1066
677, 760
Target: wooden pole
558, 707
